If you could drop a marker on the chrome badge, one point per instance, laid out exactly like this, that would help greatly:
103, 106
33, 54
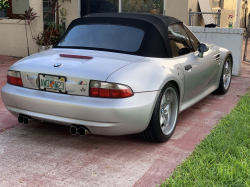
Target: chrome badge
57, 65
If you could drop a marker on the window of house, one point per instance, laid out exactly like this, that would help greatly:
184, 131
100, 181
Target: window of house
17, 8
145, 6
47, 15
135, 6
217, 4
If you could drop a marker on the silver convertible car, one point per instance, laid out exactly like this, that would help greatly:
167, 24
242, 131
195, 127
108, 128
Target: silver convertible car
116, 74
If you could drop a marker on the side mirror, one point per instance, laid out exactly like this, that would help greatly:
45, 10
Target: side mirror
202, 48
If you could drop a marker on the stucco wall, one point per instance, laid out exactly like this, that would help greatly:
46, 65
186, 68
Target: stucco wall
231, 39
13, 35
72, 10
178, 9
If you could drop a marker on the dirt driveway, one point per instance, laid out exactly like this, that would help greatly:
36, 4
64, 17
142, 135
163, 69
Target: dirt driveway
43, 154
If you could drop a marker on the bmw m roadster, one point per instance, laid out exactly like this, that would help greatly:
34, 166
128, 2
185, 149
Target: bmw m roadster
116, 74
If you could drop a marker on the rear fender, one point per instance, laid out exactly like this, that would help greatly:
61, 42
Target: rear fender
150, 74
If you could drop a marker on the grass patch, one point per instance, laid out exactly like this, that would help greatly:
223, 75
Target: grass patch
223, 158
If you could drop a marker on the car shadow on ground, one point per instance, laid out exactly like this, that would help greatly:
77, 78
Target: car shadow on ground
55, 130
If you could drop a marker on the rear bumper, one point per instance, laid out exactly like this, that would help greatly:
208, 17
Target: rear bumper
102, 116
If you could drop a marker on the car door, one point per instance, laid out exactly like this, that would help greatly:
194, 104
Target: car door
198, 72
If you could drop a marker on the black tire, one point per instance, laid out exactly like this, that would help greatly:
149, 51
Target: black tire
154, 132
222, 89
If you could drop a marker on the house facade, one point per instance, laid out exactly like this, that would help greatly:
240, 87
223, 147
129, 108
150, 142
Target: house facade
13, 33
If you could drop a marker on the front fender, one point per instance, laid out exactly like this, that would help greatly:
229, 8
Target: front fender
224, 53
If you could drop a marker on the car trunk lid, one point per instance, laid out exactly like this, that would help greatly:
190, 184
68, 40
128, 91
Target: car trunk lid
78, 67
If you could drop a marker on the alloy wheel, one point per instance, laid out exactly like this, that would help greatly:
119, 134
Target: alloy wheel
168, 111
227, 74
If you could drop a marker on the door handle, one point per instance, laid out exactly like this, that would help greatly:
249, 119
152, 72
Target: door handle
188, 67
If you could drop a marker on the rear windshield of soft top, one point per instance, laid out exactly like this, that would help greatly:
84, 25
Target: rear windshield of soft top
104, 36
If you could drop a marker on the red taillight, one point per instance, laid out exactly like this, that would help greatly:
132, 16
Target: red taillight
14, 77
109, 90
121, 93
103, 92
94, 92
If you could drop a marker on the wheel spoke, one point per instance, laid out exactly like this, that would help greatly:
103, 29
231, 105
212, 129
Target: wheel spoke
166, 109
224, 78
161, 120
163, 101
226, 66
169, 114
166, 121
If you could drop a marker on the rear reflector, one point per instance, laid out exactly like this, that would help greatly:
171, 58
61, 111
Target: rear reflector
109, 90
14, 77
76, 56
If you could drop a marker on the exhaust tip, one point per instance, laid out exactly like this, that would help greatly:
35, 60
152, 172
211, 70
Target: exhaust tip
73, 130
26, 120
20, 119
82, 131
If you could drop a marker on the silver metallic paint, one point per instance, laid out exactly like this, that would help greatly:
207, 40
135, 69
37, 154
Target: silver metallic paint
125, 116
146, 76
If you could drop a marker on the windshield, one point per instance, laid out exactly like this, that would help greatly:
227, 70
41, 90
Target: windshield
104, 36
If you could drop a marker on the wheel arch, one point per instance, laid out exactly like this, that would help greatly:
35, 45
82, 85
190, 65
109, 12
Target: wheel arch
178, 81
231, 55
225, 53
176, 85
149, 133
228, 54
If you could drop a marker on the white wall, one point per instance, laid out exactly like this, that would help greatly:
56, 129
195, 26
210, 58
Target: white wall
13, 35
231, 39
72, 10
177, 9
19, 6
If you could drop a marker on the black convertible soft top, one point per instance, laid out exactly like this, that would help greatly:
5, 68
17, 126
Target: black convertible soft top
155, 42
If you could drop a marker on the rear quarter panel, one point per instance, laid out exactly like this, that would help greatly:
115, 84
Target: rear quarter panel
149, 74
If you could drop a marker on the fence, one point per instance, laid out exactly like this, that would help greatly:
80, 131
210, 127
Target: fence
204, 18
246, 56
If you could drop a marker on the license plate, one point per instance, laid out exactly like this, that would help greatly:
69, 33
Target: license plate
51, 83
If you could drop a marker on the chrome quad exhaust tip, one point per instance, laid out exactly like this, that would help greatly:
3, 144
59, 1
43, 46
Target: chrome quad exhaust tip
20, 119
23, 119
81, 130
73, 130
26, 120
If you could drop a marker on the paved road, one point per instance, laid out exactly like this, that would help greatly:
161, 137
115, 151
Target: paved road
43, 154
